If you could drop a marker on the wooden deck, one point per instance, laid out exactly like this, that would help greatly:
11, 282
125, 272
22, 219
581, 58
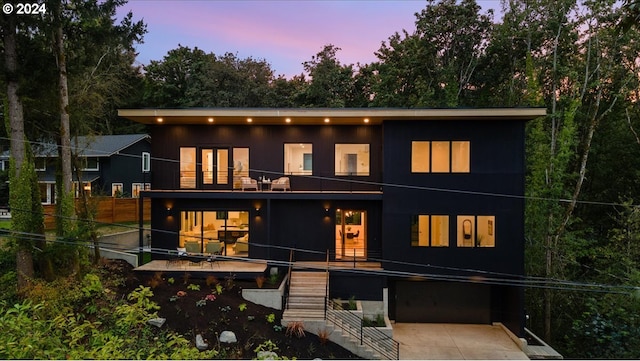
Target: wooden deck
240, 269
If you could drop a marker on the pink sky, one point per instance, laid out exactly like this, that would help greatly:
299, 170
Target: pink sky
285, 33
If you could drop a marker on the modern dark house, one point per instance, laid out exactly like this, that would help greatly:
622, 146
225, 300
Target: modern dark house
426, 203
113, 165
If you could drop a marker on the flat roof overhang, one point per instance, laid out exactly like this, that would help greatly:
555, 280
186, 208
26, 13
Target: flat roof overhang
292, 195
316, 116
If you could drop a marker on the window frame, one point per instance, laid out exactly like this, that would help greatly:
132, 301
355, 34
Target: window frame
146, 162
84, 161
430, 221
424, 156
291, 156
361, 171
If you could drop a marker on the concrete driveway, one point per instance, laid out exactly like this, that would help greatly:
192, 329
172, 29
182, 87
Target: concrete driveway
435, 341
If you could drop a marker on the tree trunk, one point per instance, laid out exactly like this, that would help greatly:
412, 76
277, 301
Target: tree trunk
24, 256
65, 132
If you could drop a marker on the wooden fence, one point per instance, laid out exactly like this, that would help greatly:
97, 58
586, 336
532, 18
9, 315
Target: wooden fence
109, 210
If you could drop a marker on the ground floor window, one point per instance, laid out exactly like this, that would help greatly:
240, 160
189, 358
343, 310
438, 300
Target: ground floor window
136, 188
215, 232
470, 231
117, 190
430, 231
47, 193
476, 231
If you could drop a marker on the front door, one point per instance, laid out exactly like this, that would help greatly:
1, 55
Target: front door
215, 168
351, 234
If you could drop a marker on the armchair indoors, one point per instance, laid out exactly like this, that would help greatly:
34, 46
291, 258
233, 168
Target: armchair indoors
281, 183
192, 246
214, 247
248, 183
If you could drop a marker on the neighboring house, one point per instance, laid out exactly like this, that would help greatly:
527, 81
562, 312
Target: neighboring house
113, 165
411, 192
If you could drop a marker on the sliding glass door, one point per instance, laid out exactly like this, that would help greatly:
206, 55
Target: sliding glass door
351, 234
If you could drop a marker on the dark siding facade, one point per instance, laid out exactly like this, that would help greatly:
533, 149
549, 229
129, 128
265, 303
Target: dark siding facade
391, 195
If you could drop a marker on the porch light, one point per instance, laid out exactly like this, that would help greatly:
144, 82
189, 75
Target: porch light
168, 211
326, 120
210, 120
249, 120
366, 120
288, 120
159, 120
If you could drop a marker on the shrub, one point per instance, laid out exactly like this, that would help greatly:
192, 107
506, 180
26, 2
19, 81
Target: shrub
295, 328
323, 336
211, 280
242, 307
193, 287
271, 318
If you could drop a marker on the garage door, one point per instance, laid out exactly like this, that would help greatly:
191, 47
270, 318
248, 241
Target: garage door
443, 302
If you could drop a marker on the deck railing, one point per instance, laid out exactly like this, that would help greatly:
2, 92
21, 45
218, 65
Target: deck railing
352, 324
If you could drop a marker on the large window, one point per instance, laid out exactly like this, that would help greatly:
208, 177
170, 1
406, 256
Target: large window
298, 158
430, 231
187, 167
352, 159
240, 166
476, 231
440, 156
215, 231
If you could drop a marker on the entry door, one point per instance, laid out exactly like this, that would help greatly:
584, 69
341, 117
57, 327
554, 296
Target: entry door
351, 234
215, 168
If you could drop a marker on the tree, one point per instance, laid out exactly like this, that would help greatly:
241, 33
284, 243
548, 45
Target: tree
436, 65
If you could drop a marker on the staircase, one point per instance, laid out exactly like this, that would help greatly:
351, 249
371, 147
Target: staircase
306, 297
306, 302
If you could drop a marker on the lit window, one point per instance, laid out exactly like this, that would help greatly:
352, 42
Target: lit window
420, 157
298, 158
476, 231
187, 167
440, 156
352, 159
240, 166
135, 189
460, 157
430, 231
117, 190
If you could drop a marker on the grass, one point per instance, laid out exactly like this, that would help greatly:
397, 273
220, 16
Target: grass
5, 223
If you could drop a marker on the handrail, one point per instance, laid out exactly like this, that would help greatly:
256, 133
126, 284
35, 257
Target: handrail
326, 291
288, 278
353, 325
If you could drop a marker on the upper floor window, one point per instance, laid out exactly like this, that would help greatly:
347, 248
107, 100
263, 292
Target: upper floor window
188, 167
89, 163
40, 164
146, 162
440, 156
352, 159
298, 158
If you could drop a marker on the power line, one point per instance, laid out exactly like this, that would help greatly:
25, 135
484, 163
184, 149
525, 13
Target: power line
391, 185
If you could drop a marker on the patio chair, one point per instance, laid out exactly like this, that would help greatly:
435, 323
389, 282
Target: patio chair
281, 183
248, 183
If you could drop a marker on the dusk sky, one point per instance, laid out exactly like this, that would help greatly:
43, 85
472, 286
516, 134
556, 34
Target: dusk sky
284, 33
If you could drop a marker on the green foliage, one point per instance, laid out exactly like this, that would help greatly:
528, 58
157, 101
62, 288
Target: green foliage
242, 307
193, 287
271, 318
171, 280
219, 288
